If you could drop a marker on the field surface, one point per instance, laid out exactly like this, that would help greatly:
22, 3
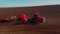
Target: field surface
51, 26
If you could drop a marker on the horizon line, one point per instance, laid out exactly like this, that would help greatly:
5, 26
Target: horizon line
30, 6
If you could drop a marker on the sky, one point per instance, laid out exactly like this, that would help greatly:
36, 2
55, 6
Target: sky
25, 3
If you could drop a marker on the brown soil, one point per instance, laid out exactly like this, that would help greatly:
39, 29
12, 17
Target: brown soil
51, 13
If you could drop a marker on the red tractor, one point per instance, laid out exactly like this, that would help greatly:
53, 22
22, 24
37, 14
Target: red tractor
36, 19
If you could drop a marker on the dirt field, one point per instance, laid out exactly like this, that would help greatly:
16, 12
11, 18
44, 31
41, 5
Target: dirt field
51, 13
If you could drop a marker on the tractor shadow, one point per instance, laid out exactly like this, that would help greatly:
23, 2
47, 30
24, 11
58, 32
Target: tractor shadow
20, 23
